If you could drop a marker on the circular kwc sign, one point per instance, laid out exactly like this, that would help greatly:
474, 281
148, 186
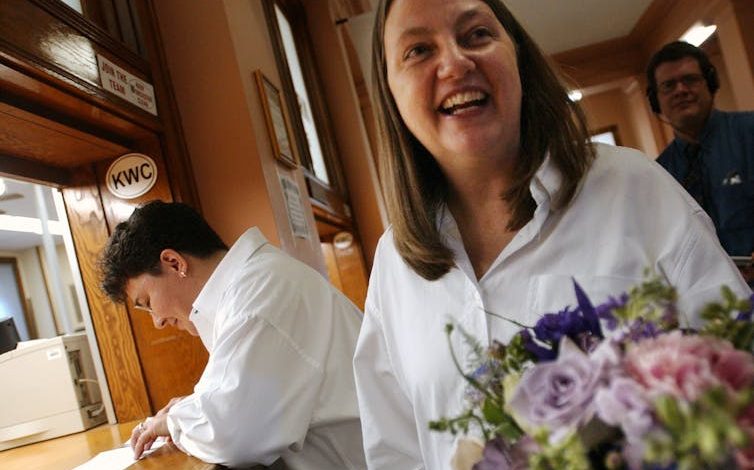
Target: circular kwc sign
131, 175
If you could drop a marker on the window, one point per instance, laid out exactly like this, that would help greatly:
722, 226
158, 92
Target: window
607, 135
306, 106
118, 17
302, 97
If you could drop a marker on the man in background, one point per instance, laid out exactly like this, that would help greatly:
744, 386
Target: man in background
712, 154
279, 381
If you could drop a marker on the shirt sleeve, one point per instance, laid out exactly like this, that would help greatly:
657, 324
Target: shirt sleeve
702, 269
390, 437
254, 400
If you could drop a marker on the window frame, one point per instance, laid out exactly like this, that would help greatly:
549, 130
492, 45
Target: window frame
331, 196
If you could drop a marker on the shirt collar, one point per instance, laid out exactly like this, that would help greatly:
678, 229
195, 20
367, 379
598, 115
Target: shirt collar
207, 302
713, 121
546, 183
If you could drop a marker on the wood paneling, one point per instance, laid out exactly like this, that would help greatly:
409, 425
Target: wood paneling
32, 171
59, 43
599, 63
60, 102
31, 136
114, 336
744, 13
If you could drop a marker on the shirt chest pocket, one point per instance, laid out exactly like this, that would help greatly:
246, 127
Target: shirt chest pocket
551, 293
735, 204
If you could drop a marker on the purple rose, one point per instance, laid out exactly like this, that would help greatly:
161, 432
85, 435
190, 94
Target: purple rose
558, 394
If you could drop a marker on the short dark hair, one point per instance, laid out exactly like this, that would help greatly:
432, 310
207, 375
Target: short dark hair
134, 247
415, 188
671, 52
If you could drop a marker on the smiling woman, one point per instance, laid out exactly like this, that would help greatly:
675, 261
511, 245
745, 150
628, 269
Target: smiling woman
495, 197
425, 60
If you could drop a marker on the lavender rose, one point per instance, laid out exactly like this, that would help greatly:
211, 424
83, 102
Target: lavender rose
624, 403
560, 394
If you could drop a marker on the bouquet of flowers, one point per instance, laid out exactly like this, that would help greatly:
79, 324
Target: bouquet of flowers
618, 385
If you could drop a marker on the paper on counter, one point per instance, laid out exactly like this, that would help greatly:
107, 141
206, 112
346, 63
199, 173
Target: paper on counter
117, 459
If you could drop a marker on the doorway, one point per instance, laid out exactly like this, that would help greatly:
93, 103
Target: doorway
66, 160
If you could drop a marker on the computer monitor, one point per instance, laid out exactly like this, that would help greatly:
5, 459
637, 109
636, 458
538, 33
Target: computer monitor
8, 335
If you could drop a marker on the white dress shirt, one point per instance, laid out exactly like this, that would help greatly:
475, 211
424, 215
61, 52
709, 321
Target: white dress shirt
627, 215
279, 381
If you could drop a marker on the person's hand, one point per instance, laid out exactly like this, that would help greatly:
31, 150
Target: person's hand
166, 408
144, 435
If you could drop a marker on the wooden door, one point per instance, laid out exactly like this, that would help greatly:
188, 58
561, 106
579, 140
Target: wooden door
149, 366
171, 360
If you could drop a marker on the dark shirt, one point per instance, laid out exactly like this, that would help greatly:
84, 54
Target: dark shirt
726, 192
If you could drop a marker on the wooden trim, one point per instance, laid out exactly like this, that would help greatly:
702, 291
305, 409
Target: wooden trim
615, 59
31, 324
287, 83
323, 213
101, 36
89, 230
61, 102
342, 10
602, 62
34, 172
21, 52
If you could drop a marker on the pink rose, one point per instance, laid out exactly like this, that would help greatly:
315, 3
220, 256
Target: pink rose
735, 369
686, 366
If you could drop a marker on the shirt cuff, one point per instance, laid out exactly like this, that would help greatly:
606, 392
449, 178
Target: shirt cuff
175, 433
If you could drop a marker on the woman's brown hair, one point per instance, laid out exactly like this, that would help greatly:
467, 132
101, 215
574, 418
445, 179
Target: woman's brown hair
412, 182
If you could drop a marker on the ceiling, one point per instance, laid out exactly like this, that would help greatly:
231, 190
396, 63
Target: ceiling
561, 25
24, 206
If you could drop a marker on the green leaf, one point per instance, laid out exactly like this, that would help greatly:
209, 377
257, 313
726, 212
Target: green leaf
493, 413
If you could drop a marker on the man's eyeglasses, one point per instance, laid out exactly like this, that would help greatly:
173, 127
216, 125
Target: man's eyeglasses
689, 81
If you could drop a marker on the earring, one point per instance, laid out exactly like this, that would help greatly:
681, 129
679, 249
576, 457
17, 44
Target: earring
182, 274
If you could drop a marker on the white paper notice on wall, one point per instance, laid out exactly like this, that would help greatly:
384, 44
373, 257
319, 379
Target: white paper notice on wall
295, 209
129, 87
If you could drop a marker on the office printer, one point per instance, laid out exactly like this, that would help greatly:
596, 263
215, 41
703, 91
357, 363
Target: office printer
48, 390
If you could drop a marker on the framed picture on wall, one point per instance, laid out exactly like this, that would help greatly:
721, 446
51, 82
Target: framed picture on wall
276, 120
